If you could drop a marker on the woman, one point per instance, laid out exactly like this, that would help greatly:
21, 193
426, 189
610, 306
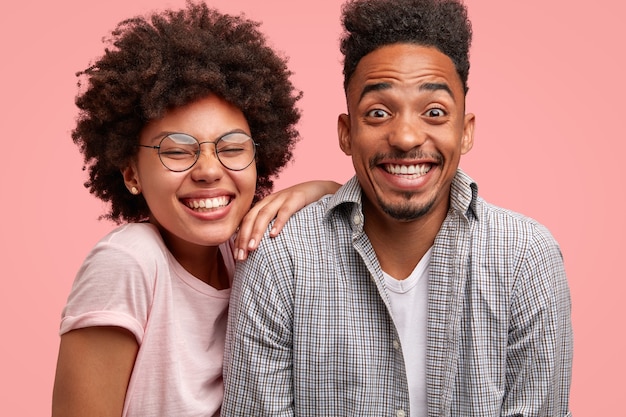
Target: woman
183, 123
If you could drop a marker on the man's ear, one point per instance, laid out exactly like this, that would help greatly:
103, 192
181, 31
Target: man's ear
467, 141
343, 133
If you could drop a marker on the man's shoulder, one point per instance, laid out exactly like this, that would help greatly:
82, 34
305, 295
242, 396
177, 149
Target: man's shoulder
329, 208
509, 223
311, 214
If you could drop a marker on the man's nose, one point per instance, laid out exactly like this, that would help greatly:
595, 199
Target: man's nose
407, 133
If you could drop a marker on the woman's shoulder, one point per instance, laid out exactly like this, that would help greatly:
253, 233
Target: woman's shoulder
134, 236
132, 243
135, 251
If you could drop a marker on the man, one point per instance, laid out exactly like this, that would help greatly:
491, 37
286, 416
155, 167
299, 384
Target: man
404, 293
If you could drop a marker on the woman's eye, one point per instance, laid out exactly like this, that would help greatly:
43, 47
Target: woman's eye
230, 150
377, 113
177, 153
435, 112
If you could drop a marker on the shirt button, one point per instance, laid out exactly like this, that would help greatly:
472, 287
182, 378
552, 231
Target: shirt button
400, 413
396, 346
357, 219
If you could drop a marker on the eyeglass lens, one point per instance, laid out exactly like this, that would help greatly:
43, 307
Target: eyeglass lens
179, 152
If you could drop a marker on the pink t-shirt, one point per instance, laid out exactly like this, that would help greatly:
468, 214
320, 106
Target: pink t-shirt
131, 280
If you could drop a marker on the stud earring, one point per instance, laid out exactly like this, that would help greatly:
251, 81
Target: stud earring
134, 190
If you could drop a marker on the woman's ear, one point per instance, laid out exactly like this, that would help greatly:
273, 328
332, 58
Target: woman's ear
131, 179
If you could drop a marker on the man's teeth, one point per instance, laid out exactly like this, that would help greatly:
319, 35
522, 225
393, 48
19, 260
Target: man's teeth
408, 169
208, 203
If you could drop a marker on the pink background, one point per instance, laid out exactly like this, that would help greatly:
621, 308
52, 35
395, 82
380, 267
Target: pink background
547, 86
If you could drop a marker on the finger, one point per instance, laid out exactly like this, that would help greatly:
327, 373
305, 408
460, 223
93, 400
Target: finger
254, 225
281, 219
240, 252
243, 234
266, 213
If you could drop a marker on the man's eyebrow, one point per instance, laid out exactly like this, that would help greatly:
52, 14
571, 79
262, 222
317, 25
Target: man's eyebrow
373, 87
435, 87
423, 87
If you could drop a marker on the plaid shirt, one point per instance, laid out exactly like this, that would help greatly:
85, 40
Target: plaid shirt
311, 333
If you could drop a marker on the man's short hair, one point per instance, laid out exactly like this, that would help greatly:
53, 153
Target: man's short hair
371, 24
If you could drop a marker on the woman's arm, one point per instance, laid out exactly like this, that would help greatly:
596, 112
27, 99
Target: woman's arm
280, 205
93, 371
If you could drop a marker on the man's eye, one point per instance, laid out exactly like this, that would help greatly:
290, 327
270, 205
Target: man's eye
377, 113
435, 112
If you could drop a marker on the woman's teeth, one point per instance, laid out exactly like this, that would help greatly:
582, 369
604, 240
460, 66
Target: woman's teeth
208, 203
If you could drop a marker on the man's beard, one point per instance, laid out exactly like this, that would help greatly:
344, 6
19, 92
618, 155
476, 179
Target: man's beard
405, 211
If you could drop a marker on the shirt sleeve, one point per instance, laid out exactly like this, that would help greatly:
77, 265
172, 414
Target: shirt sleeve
258, 378
539, 352
112, 288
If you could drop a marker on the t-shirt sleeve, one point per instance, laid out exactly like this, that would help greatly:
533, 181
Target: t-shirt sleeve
112, 288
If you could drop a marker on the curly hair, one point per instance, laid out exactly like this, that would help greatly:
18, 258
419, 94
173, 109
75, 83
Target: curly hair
169, 59
370, 24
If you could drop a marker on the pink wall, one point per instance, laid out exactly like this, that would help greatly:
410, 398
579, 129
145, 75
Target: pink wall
546, 85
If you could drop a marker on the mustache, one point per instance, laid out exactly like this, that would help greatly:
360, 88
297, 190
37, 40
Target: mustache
411, 155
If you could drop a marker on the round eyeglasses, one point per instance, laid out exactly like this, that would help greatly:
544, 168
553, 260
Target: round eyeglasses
179, 152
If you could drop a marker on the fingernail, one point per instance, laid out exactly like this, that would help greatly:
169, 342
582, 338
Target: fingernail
251, 244
240, 254
273, 231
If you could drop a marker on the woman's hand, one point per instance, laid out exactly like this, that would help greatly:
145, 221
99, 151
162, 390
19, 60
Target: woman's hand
281, 206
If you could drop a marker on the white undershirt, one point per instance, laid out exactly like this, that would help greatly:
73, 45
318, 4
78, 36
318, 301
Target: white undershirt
409, 308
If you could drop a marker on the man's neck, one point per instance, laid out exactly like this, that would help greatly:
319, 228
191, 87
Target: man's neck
399, 245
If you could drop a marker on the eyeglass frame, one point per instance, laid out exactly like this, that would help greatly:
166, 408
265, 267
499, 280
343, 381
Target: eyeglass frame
214, 142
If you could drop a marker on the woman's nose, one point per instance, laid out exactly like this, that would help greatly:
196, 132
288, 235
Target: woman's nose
208, 166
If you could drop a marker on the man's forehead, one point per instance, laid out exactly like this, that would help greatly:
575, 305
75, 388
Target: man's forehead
398, 60
423, 68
